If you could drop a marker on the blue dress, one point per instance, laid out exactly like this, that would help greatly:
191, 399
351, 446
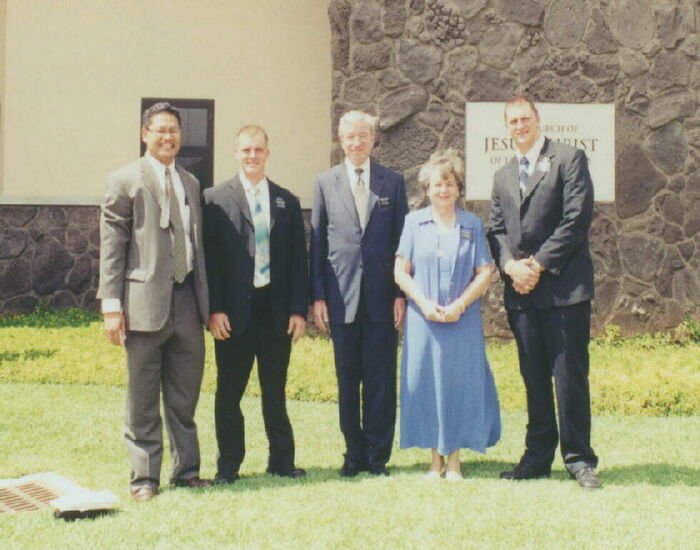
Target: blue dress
448, 395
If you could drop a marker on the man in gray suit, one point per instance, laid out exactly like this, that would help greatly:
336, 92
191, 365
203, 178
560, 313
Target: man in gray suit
541, 211
357, 218
154, 300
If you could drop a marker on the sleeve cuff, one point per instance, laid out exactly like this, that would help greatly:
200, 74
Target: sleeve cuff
111, 305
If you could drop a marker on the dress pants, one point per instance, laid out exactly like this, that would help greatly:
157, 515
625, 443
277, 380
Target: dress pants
365, 355
553, 342
172, 360
234, 361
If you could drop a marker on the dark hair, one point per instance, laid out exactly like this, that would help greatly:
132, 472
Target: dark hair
161, 107
520, 99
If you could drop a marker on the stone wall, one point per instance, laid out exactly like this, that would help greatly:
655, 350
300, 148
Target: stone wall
416, 62
48, 253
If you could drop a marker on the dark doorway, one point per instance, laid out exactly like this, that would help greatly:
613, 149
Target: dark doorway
197, 140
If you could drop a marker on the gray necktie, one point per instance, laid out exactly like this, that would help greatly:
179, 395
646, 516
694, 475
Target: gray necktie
179, 251
522, 179
360, 195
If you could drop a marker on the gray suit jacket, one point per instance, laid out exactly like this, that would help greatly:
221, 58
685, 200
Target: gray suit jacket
135, 253
344, 257
551, 223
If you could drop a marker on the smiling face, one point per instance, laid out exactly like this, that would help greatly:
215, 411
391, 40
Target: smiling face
357, 140
443, 189
162, 137
251, 154
523, 125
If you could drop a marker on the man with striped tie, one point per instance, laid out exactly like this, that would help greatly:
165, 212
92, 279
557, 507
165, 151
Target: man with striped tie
541, 211
256, 261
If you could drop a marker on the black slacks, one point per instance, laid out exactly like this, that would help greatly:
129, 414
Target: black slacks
234, 361
553, 343
365, 355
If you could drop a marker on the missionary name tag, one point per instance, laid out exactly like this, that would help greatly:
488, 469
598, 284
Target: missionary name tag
279, 203
384, 201
466, 234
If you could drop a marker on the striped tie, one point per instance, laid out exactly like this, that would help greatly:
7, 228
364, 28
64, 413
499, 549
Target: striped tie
262, 237
524, 163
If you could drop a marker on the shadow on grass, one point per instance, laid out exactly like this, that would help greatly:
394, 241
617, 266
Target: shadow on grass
663, 475
26, 355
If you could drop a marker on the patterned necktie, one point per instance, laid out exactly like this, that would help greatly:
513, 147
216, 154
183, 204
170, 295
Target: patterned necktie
360, 195
524, 163
262, 237
179, 251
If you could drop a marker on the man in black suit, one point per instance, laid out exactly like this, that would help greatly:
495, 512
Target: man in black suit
541, 210
256, 264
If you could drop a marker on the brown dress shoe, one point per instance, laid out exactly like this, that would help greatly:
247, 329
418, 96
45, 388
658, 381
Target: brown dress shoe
142, 493
192, 482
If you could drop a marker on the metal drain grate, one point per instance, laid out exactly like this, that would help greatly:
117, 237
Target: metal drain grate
25, 497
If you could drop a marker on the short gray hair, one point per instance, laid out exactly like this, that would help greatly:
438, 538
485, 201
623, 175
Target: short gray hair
355, 116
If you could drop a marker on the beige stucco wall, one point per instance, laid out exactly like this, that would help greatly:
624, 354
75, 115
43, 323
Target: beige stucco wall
3, 5
76, 71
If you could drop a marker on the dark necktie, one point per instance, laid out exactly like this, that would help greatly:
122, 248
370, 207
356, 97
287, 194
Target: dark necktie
524, 163
179, 251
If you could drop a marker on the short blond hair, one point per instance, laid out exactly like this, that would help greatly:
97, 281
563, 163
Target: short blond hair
252, 130
442, 163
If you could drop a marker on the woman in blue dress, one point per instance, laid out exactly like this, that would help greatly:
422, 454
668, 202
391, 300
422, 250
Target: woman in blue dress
448, 395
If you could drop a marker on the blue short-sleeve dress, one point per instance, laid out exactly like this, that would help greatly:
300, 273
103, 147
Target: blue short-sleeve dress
448, 395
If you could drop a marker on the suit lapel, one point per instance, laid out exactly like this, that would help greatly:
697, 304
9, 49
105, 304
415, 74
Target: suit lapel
342, 186
240, 204
238, 195
376, 185
150, 181
189, 194
512, 182
273, 191
538, 173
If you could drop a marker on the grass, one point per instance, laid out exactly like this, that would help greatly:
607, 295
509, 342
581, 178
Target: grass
62, 409
643, 376
650, 498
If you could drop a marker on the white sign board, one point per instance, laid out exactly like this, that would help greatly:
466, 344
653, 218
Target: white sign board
587, 126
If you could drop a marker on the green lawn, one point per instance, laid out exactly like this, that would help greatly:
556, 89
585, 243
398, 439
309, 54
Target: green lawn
62, 396
648, 466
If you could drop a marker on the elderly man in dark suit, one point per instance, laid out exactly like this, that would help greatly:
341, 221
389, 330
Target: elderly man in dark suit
357, 218
154, 300
258, 280
541, 210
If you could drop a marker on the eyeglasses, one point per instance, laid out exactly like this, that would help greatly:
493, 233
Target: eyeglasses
166, 131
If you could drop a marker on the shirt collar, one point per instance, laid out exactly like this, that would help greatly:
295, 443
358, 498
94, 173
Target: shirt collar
426, 215
158, 166
350, 167
261, 186
533, 154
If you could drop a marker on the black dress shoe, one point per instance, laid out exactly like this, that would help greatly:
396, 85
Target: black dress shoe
349, 470
378, 469
192, 483
523, 470
293, 473
587, 478
226, 480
